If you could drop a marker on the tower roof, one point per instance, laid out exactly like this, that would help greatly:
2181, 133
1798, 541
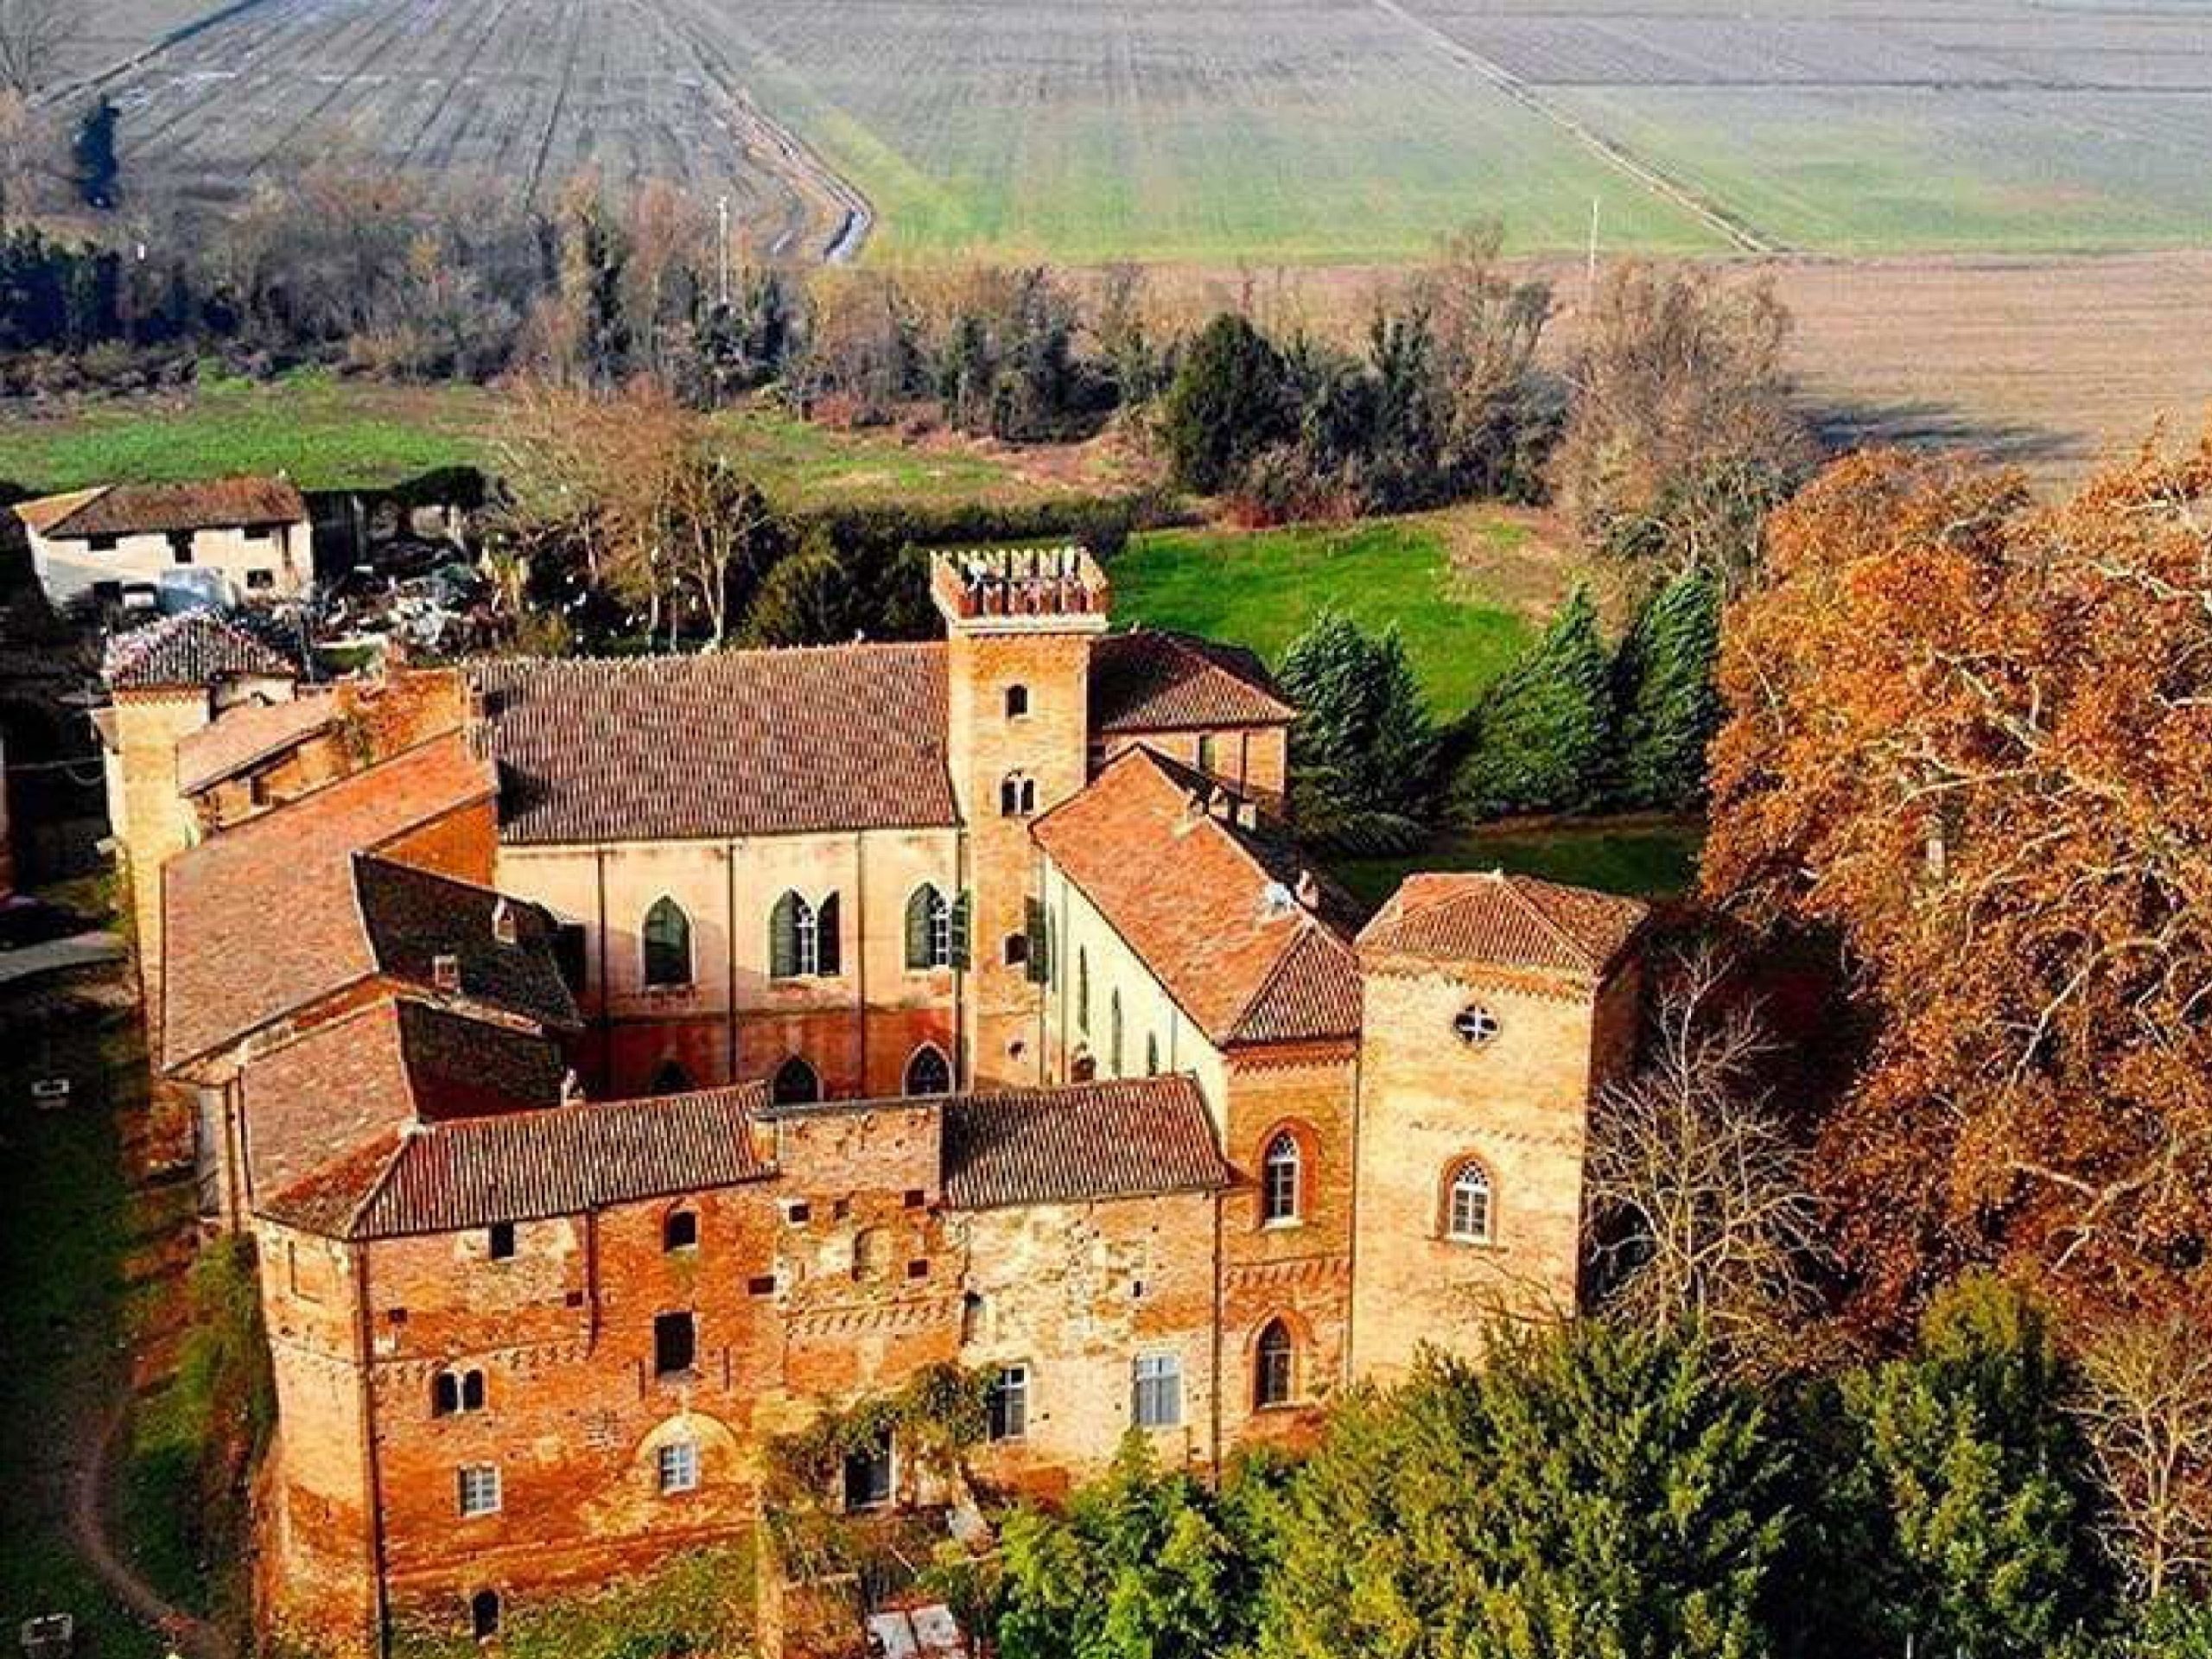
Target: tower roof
1493, 919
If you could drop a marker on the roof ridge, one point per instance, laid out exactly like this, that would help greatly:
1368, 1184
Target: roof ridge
648, 659
1519, 886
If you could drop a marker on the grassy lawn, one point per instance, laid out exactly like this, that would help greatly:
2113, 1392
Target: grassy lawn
1262, 588
1643, 858
68, 1224
328, 434
799, 464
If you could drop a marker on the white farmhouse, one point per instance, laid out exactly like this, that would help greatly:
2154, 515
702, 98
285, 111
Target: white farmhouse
228, 541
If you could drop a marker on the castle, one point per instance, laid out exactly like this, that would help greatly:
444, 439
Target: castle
615, 1061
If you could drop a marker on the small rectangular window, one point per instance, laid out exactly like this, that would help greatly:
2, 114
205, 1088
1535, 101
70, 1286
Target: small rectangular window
681, 1230
102, 544
1159, 1391
1007, 1403
180, 546
260, 580
678, 1463
761, 1284
500, 1240
479, 1488
676, 1344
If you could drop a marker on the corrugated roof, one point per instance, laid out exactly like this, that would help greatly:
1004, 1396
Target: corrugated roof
197, 647
156, 509
1155, 681
1501, 920
245, 736
564, 1160
263, 919
1212, 907
1126, 1139
721, 744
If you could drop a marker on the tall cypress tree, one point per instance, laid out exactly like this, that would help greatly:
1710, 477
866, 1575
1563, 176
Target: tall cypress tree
1230, 400
1364, 753
1539, 740
1665, 706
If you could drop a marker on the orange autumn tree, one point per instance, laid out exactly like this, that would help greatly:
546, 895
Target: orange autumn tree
1973, 734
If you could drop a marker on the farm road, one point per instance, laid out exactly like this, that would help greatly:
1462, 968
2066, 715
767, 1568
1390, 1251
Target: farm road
1731, 226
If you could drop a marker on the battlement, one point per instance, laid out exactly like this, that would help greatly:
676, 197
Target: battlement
1021, 590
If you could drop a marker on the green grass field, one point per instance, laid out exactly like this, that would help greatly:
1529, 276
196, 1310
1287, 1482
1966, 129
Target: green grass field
1262, 588
1641, 858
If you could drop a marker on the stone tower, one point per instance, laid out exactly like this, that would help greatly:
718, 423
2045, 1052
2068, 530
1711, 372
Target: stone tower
166, 681
1494, 1008
1019, 628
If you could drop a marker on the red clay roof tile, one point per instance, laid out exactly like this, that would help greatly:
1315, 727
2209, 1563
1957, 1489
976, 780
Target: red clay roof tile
1501, 920
1155, 681
1085, 1141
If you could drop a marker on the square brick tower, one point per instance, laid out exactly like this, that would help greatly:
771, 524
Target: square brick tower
1494, 1007
1019, 627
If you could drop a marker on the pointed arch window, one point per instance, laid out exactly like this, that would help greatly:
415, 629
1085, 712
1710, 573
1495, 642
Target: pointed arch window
1274, 1367
928, 1073
1114, 1033
802, 938
796, 1083
670, 1078
668, 944
929, 928
1468, 1205
1280, 1179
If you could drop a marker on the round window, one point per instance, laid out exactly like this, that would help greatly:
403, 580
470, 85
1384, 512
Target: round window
1475, 1025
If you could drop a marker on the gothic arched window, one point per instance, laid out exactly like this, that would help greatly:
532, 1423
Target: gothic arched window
1467, 1204
668, 944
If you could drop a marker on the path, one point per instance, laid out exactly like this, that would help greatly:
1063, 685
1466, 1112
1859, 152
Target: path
1722, 222
190, 1636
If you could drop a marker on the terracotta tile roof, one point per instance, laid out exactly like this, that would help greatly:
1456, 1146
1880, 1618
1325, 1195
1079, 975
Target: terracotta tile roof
191, 648
1213, 908
1501, 920
1124, 1138
722, 744
263, 919
155, 509
250, 733
383, 1067
413, 917
1153, 681
564, 1160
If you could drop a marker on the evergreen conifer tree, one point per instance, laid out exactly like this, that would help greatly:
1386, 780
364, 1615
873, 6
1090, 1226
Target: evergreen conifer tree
1229, 400
1539, 738
1364, 753
1666, 706
807, 599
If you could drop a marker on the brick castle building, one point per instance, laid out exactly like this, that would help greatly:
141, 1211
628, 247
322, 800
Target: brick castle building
615, 1061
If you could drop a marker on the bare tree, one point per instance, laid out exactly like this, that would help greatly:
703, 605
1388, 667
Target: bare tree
2147, 1410
1698, 1189
35, 38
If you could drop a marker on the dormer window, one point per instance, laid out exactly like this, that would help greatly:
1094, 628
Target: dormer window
503, 922
1017, 701
445, 972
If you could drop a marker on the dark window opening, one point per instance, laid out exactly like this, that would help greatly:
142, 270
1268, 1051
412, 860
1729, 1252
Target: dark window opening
918, 1268
668, 944
456, 1391
796, 1083
484, 1615
500, 1240
761, 1284
676, 1344
670, 1078
572, 956
928, 1073
680, 1231
1273, 1379
180, 546
1016, 949
868, 1477
1017, 701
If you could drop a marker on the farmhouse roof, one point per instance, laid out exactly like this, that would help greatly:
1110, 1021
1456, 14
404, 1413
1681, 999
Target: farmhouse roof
1250, 941
1499, 920
197, 647
1151, 681
392, 1062
1126, 1139
156, 509
562, 1161
242, 737
500, 951
263, 919
721, 744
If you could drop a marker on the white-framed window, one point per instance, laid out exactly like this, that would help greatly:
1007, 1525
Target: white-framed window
1467, 1218
1475, 1026
677, 1467
1157, 1390
1007, 1405
477, 1487
1279, 1179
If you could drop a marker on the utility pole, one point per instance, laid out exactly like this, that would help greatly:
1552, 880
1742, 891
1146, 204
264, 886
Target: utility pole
721, 210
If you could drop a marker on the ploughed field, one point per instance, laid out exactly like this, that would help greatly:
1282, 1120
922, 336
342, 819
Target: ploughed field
1204, 131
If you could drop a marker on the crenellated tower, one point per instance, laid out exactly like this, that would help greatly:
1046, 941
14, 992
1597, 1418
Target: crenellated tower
1019, 625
